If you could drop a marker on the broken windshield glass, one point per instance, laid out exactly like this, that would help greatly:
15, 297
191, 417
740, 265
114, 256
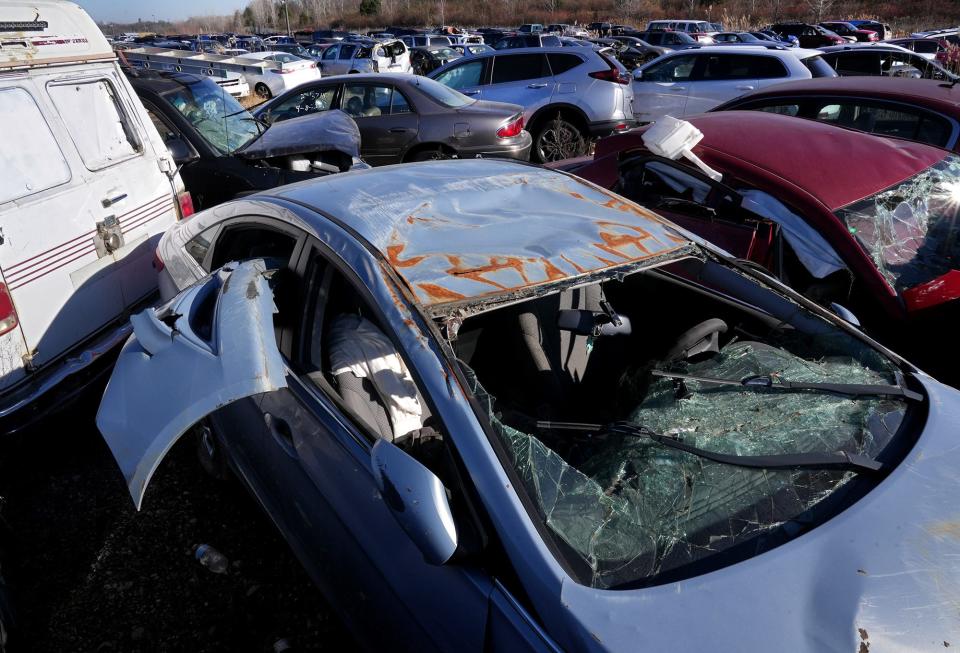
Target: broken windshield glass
632, 509
910, 231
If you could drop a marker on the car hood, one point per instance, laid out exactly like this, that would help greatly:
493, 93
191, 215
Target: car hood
317, 132
883, 574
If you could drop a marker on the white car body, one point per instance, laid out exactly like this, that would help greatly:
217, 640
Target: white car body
659, 91
291, 71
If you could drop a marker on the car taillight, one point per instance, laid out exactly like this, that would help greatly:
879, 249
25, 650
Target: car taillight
512, 128
8, 314
158, 264
611, 75
185, 201
281, 71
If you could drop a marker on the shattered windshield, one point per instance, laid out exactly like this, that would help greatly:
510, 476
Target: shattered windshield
629, 508
910, 231
215, 114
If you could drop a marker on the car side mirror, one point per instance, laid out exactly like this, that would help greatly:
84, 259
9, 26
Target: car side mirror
845, 313
417, 499
638, 75
181, 151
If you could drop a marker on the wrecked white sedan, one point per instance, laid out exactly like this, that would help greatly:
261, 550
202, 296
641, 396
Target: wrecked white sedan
495, 407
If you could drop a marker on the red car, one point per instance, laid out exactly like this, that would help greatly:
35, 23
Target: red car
844, 217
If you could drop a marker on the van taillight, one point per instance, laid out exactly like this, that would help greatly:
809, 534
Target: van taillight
8, 314
611, 74
512, 128
186, 204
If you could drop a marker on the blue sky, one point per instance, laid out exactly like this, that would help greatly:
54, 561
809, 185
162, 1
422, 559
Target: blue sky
124, 11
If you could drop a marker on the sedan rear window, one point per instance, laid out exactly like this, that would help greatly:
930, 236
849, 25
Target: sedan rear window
443, 94
910, 230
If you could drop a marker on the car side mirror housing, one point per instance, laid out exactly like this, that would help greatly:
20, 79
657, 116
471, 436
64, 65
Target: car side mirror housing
638, 75
417, 499
845, 313
181, 151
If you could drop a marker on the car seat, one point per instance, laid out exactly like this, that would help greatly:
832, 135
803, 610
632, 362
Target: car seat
355, 106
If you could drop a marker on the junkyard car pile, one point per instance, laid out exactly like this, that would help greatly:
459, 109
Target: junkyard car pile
647, 398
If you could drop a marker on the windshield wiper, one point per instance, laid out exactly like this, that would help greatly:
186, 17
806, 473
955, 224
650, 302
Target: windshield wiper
815, 460
778, 383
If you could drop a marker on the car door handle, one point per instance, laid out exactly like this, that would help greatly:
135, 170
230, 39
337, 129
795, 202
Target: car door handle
107, 202
398, 130
469, 92
536, 85
281, 432
745, 87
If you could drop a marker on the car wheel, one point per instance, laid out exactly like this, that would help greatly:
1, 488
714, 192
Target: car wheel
210, 454
430, 155
354, 72
262, 91
558, 139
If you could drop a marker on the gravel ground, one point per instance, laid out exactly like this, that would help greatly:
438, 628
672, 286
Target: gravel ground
91, 574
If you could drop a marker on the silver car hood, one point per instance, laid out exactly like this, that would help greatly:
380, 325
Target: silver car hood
883, 575
317, 132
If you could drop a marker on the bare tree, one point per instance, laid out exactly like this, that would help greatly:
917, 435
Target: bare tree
819, 7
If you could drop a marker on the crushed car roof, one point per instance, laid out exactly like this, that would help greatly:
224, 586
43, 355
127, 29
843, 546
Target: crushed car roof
457, 231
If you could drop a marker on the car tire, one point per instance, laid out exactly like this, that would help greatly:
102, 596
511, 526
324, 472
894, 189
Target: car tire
432, 154
354, 72
558, 139
210, 453
263, 91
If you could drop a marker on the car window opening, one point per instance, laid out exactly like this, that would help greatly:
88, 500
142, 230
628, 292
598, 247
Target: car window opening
549, 371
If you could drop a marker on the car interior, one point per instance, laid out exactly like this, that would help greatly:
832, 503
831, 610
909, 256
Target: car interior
595, 390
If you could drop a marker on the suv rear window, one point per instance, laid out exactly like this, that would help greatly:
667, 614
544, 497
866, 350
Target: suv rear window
818, 67
518, 67
561, 63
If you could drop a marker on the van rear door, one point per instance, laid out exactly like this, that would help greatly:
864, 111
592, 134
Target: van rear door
79, 254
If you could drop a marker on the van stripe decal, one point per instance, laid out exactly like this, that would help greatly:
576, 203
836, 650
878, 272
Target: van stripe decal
47, 271
142, 220
127, 216
26, 271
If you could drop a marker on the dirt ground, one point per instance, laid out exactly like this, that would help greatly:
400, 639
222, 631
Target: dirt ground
92, 574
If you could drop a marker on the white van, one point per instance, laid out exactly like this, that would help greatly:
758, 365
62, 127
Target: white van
86, 189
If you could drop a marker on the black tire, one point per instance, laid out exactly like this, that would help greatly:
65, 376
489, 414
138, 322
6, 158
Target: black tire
558, 139
210, 454
263, 91
432, 154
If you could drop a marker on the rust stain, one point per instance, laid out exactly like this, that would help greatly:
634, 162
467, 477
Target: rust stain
577, 196
496, 264
864, 635
393, 255
949, 529
578, 268
612, 242
552, 271
439, 293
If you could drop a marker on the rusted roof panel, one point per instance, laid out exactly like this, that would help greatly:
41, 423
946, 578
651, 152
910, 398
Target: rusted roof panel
461, 230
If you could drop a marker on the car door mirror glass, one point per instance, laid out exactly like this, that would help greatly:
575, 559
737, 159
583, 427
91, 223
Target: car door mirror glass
417, 499
181, 151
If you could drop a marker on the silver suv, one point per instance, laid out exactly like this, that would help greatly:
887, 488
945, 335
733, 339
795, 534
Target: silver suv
366, 56
569, 95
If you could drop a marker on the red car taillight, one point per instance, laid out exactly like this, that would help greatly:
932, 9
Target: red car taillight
186, 204
611, 74
8, 314
281, 71
512, 128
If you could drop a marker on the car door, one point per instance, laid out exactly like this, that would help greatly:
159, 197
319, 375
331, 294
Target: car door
301, 103
344, 58
523, 79
718, 78
663, 87
328, 60
330, 506
469, 77
387, 122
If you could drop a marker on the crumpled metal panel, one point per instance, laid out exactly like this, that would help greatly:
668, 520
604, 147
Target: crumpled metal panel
456, 231
319, 132
172, 373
